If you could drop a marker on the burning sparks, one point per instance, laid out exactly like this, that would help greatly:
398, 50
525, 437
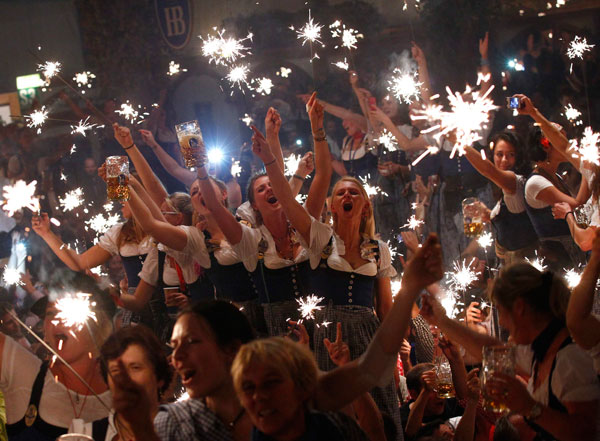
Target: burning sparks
588, 147
449, 303
247, 119
309, 305
572, 278
264, 86
224, 50
12, 276
405, 86
462, 276
75, 310
72, 199
101, 224
310, 32
348, 36
431, 150
284, 72
291, 164
342, 64
37, 118
301, 198
485, 240
20, 195
537, 263
83, 127
238, 76
49, 69
236, 169
83, 79
413, 223
129, 112
572, 114
578, 47
175, 68
370, 189
388, 141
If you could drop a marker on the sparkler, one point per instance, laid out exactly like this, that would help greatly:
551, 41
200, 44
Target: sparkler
101, 224
413, 223
449, 302
393, 250
72, 199
264, 86
12, 276
224, 50
236, 169
348, 36
175, 68
37, 118
291, 164
370, 189
82, 127
485, 240
589, 146
75, 310
247, 119
309, 305
284, 72
577, 47
396, 285
537, 263
238, 76
572, 114
301, 198
572, 278
20, 195
129, 112
83, 79
49, 69
310, 32
431, 150
462, 276
342, 64
405, 86
388, 140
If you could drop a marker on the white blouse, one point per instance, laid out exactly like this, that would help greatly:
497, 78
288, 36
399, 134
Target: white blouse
514, 202
149, 272
108, 242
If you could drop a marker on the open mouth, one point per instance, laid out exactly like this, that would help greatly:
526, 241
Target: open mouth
272, 200
187, 375
347, 206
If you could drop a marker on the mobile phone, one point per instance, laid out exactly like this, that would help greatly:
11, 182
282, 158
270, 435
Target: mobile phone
514, 102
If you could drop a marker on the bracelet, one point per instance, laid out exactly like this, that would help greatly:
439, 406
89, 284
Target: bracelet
320, 138
200, 178
269, 163
127, 148
298, 177
566, 215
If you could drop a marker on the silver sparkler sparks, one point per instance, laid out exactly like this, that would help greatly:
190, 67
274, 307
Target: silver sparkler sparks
49, 69
405, 86
572, 277
72, 199
130, 113
264, 86
388, 140
101, 224
588, 147
310, 32
342, 64
462, 276
284, 72
20, 195
75, 310
11, 276
238, 76
247, 119
371, 190
236, 169
486, 240
291, 164
431, 150
348, 36
175, 68
224, 50
572, 114
577, 47
83, 127
84, 79
413, 223
37, 118
537, 263
309, 305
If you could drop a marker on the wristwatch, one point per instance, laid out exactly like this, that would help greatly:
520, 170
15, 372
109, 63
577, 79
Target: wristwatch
535, 411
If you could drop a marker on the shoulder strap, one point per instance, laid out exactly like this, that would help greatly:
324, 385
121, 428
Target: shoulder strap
553, 401
99, 429
38, 385
32, 413
161, 268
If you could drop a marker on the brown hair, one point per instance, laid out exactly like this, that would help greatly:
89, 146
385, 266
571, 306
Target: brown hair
131, 232
367, 224
250, 194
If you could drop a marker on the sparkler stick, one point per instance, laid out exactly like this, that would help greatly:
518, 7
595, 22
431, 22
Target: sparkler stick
62, 360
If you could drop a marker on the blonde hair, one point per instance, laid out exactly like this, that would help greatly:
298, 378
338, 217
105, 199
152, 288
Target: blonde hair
367, 223
131, 232
181, 203
99, 329
544, 292
287, 357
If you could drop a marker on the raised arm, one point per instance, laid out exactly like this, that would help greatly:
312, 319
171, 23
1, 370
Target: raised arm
152, 184
296, 214
91, 258
162, 231
169, 163
583, 237
305, 168
320, 184
419, 57
272, 126
418, 143
583, 325
340, 112
505, 179
485, 64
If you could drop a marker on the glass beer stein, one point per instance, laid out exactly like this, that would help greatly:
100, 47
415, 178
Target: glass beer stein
190, 139
117, 178
444, 386
496, 359
472, 217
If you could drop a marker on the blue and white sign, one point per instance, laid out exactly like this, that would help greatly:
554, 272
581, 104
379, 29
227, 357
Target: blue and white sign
175, 21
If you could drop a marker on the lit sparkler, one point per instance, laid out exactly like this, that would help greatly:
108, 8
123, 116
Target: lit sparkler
72, 199
388, 140
84, 79
309, 305
405, 86
485, 240
537, 263
462, 276
264, 86
310, 32
284, 72
348, 36
83, 127
247, 119
393, 250
75, 310
578, 47
396, 285
371, 190
342, 64
448, 301
49, 69
20, 195
413, 223
236, 169
238, 76
175, 68
291, 164
224, 50
431, 150
129, 112
301, 198
12, 276
588, 147
37, 118
101, 224
572, 278
572, 114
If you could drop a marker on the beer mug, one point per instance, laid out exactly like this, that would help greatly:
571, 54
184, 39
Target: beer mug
444, 387
74, 437
117, 178
472, 217
190, 139
496, 359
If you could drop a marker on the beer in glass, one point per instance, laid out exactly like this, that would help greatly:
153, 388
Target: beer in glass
496, 359
117, 178
190, 140
472, 217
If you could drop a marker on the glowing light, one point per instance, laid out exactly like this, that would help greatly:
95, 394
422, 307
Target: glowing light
20, 195
264, 86
393, 250
449, 303
83, 127
405, 86
291, 164
310, 32
83, 79
72, 199
309, 305
284, 72
49, 69
75, 310
431, 150
238, 76
224, 50
183, 397
12, 276
342, 64
396, 286
588, 147
247, 119
348, 36
175, 68
236, 169
129, 112
486, 240
572, 278
108, 206
388, 140
301, 198
462, 276
537, 263
572, 114
577, 47
37, 118
215, 155
371, 190
101, 224
413, 223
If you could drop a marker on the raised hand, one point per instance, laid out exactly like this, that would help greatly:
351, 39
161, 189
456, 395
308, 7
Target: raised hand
483, 46
353, 78
306, 165
316, 112
272, 122
260, 146
473, 314
417, 53
41, 224
425, 267
123, 135
304, 97
473, 385
449, 349
147, 137
339, 352
429, 380
299, 330
527, 107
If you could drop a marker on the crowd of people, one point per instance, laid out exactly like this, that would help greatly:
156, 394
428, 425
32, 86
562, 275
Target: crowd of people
205, 326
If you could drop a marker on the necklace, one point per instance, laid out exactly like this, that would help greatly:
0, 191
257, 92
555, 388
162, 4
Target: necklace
73, 405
